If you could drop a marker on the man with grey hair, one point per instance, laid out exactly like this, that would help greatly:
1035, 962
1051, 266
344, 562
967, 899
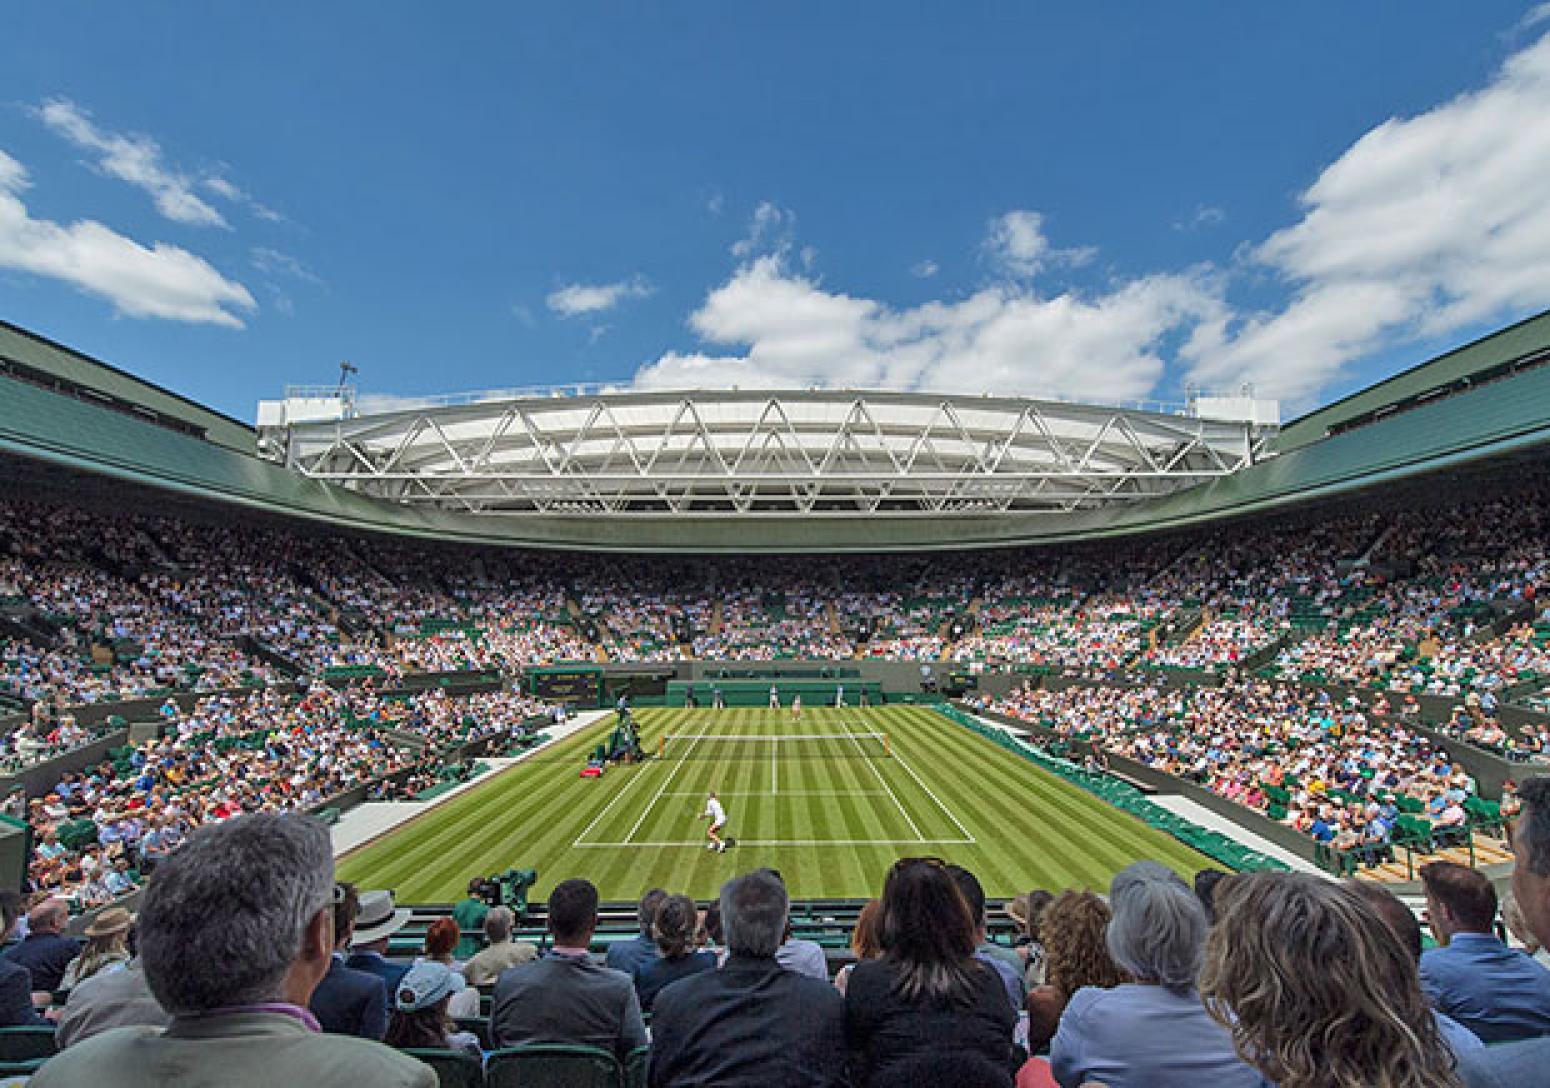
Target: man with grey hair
752, 1022
1154, 1031
1524, 1062
502, 952
236, 930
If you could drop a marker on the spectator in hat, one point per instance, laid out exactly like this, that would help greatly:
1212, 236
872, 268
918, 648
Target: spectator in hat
107, 947
349, 1001
45, 952
420, 1010
378, 920
236, 931
441, 940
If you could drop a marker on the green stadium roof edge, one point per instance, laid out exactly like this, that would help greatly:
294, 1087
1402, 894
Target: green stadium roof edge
1487, 399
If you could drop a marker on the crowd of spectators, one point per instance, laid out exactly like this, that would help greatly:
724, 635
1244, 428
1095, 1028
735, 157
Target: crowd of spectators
252, 961
112, 607
100, 831
1342, 772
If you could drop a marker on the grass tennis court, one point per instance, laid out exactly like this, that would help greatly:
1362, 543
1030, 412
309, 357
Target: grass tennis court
831, 801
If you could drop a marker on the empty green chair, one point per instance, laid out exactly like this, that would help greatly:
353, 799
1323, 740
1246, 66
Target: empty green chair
25, 1044
553, 1065
637, 1067
454, 1068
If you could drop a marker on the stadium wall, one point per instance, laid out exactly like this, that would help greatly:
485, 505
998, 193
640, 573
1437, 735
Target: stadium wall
1502, 417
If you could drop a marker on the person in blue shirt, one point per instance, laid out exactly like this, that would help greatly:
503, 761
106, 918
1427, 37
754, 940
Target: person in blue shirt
1153, 1032
1511, 1065
629, 956
1499, 993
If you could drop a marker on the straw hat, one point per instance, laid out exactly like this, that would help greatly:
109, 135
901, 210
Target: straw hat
113, 920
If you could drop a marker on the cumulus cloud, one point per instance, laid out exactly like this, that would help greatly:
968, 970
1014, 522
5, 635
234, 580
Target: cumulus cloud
1425, 225
1016, 243
1004, 338
161, 280
134, 159
582, 299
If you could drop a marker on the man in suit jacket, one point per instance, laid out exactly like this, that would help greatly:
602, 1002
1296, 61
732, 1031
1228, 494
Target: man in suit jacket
752, 1022
1499, 993
347, 1001
236, 931
378, 920
565, 997
1512, 1065
15, 982
46, 951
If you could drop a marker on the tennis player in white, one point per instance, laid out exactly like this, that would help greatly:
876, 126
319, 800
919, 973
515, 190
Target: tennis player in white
718, 819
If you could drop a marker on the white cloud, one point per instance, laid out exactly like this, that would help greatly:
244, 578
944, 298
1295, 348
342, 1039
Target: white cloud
769, 230
227, 190
1001, 339
272, 262
157, 281
1535, 15
1425, 225
1015, 242
924, 270
1204, 215
134, 159
579, 299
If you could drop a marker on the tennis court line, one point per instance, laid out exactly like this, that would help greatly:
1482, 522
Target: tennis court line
932, 794
845, 723
700, 843
666, 782
618, 796
783, 793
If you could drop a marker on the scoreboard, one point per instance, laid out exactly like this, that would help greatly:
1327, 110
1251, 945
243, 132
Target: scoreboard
578, 686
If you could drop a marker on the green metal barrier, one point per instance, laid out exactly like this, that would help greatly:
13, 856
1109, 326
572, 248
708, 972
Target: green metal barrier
1125, 797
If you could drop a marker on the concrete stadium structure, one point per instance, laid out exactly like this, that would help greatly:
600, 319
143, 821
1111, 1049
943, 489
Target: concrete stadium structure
834, 471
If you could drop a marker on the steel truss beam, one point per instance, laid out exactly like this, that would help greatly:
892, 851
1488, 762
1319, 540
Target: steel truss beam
771, 454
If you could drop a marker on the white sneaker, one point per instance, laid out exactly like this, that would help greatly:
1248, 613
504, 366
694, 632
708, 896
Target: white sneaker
710, 846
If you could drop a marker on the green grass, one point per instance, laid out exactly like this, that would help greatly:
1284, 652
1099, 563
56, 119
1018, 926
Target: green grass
831, 816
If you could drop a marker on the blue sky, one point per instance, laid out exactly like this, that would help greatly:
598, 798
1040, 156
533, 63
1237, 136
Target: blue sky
1085, 200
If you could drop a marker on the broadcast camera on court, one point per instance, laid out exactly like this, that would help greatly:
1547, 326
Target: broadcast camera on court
509, 889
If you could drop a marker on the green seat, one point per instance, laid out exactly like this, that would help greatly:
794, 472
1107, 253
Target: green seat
478, 1025
26, 1044
637, 1067
553, 1065
21, 1069
454, 1068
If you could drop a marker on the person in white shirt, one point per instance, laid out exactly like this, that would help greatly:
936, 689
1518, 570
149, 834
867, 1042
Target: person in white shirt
718, 818
774, 698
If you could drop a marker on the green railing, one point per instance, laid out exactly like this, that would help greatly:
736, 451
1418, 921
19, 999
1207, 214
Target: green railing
1125, 797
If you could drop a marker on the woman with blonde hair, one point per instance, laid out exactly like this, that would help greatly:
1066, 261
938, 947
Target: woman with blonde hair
1315, 990
107, 947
